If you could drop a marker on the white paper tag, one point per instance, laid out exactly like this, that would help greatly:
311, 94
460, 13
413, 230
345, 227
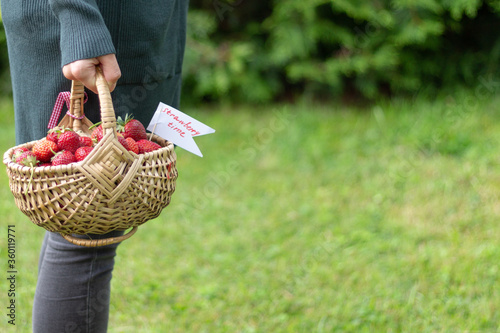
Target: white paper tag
178, 128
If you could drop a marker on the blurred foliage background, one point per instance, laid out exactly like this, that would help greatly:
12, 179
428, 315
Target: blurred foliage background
263, 51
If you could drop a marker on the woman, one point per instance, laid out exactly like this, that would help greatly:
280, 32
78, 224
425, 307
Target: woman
139, 44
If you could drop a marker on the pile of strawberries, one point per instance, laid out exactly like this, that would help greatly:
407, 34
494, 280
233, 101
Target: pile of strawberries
64, 146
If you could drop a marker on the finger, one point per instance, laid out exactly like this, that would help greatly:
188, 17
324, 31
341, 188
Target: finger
83, 71
110, 69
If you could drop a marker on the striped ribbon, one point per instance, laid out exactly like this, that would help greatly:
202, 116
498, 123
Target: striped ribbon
63, 98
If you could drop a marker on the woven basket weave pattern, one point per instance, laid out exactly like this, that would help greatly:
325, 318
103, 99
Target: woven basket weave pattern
112, 189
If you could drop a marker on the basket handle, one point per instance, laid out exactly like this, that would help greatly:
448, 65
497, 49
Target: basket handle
108, 116
76, 105
98, 242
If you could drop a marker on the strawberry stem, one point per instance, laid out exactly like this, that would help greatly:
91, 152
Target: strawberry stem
95, 125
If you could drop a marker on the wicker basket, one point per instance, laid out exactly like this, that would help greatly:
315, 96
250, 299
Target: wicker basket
111, 189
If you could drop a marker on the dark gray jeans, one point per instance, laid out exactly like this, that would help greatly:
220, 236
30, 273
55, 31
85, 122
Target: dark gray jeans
73, 290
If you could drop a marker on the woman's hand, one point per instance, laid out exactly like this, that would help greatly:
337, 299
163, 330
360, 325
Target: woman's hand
84, 71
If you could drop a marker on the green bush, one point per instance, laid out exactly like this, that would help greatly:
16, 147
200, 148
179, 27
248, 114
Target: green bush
248, 51
225, 54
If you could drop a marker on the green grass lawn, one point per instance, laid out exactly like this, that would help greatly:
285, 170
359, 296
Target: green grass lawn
312, 218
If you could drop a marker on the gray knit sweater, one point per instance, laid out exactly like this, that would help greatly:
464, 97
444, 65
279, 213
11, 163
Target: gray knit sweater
148, 37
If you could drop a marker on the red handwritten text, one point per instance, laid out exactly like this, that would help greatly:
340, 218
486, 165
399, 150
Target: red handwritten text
179, 122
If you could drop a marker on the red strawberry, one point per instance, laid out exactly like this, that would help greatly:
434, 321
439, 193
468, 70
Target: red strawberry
45, 164
27, 158
122, 140
86, 141
132, 145
97, 132
82, 152
131, 128
53, 134
146, 146
44, 150
69, 140
17, 152
64, 157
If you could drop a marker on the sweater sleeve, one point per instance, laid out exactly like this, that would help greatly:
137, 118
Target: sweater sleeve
84, 34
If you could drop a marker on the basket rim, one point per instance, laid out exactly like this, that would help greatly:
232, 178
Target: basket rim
7, 158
